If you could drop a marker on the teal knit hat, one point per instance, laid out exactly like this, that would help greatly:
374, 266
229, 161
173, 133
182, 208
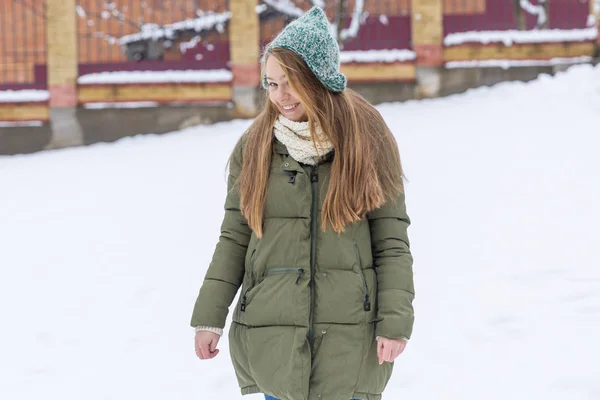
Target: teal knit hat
309, 37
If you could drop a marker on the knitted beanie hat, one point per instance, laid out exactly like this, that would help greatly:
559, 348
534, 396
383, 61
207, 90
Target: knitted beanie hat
310, 37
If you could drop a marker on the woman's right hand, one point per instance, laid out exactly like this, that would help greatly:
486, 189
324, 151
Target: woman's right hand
206, 344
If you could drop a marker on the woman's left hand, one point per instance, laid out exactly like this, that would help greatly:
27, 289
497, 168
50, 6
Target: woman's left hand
389, 349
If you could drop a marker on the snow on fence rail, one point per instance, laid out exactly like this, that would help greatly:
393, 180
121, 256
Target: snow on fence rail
513, 36
125, 77
24, 96
506, 64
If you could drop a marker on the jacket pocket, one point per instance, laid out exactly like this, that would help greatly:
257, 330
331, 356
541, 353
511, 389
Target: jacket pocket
287, 270
275, 298
251, 283
361, 273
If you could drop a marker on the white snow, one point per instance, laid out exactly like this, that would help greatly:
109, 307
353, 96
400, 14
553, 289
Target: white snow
13, 124
104, 249
517, 63
386, 56
286, 7
594, 13
120, 77
155, 32
110, 39
80, 11
193, 42
125, 104
535, 9
23, 96
513, 36
261, 8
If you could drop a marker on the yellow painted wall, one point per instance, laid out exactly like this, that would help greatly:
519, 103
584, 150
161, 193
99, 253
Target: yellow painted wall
24, 112
161, 93
540, 51
356, 72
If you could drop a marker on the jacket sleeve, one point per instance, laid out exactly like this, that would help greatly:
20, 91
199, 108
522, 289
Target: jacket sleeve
226, 270
393, 262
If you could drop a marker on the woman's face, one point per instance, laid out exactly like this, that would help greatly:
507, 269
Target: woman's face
281, 94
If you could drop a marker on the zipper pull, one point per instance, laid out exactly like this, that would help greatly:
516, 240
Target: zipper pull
314, 177
300, 272
367, 303
243, 306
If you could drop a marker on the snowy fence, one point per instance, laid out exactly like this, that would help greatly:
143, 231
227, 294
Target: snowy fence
124, 51
150, 35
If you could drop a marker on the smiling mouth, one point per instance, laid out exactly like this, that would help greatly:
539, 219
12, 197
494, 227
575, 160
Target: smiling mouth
290, 107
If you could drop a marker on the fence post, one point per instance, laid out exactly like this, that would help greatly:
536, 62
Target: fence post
595, 12
244, 31
427, 39
61, 33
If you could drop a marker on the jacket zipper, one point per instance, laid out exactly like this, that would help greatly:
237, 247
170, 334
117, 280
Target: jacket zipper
367, 302
274, 271
314, 181
243, 305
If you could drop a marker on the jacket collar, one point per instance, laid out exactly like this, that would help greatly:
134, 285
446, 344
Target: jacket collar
279, 148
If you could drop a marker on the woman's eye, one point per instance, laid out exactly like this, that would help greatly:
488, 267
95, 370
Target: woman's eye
272, 84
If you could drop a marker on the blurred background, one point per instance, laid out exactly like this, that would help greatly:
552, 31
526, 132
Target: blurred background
160, 65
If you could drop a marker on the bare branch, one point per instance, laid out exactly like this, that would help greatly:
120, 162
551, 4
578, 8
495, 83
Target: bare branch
354, 27
535, 9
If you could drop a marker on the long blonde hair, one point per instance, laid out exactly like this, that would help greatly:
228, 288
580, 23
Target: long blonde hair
366, 171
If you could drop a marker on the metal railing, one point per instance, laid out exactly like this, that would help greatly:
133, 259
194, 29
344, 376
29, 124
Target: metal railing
22, 44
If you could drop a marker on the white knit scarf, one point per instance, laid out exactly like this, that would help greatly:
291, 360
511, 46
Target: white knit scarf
296, 137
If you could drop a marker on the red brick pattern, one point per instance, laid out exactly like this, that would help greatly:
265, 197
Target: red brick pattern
63, 95
246, 75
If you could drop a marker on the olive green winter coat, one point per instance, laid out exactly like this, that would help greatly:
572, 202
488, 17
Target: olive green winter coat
311, 302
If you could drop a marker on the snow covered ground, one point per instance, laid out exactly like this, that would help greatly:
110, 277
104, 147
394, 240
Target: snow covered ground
104, 249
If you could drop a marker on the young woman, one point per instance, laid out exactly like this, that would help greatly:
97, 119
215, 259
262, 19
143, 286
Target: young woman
314, 233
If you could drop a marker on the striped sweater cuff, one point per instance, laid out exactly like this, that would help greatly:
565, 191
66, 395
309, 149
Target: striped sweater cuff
403, 337
218, 331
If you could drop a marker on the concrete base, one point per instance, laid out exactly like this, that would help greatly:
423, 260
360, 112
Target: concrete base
247, 100
459, 80
111, 124
66, 130
23, 140
429, 82
377, 93
76, 127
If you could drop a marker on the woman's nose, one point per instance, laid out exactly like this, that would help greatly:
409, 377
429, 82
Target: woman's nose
282, 93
